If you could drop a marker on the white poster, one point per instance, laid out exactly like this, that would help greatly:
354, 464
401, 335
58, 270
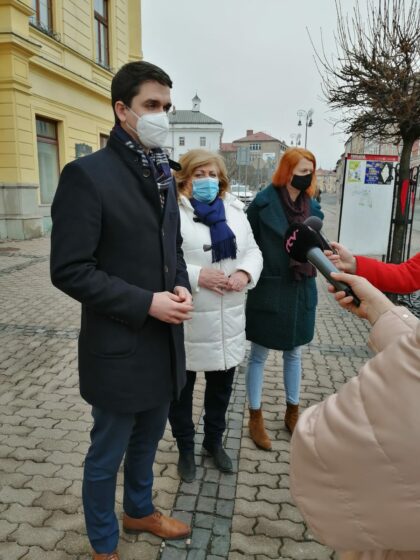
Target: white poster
365, 216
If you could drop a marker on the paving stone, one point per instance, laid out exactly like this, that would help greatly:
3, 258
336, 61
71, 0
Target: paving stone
204, 520
206, 504
44, 537
66, 522
32, 515
32, 468
171, 553
6, 528
290, 512
12, 551
15, 480
65, 502
246, 492
224, 507
37, 553
138, 550
197, 554
200, 538
279, 529
244, 525
23, 497
220, 545
255, 544
257, 509
274, 496
42, 483
305, 550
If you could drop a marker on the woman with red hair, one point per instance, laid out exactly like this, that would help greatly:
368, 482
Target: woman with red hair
280, 311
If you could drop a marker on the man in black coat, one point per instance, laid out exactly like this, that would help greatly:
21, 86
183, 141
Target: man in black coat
116, 248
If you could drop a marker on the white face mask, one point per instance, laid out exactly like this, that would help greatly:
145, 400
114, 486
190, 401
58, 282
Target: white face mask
151, 128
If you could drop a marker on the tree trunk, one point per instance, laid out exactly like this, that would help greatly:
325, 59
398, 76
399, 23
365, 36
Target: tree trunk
401, 216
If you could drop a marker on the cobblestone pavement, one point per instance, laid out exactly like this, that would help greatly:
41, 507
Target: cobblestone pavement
44, 434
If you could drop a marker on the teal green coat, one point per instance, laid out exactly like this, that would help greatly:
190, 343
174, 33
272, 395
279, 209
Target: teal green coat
280, 312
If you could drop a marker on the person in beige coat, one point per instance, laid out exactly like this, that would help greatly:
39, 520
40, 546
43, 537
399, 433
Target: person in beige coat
355, 457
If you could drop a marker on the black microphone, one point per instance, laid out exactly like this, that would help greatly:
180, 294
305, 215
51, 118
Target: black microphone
302, 244
316, 224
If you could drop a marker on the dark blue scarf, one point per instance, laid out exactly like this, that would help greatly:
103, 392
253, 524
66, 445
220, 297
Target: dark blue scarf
223, 240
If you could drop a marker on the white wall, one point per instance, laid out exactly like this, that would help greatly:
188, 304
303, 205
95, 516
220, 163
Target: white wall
192, 139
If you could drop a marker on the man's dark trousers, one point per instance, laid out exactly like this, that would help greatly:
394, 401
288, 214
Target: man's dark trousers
136, 435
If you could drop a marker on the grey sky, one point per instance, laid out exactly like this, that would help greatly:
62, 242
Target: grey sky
250, 61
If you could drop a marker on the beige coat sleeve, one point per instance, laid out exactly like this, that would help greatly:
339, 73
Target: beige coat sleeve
355, 458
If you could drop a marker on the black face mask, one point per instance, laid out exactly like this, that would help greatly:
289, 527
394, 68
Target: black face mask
301, 182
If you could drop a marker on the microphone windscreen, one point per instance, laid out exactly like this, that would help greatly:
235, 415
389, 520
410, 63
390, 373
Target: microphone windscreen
298, 240
314, 222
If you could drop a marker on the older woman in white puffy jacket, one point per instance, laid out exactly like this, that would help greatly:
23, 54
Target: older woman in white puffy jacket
223, 262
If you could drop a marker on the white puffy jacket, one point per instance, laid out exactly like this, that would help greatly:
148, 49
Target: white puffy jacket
215, 336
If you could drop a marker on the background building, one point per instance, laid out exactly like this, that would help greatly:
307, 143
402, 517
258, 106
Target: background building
193, 129
326, 180
57, 60
257, 155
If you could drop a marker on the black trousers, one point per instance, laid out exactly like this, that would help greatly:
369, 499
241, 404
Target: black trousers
216, 401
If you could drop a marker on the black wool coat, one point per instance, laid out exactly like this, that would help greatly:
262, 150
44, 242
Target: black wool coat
112, 247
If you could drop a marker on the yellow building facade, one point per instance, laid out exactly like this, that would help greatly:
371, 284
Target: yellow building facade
57, 60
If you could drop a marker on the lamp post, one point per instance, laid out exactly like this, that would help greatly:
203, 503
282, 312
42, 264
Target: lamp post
295, 139
307, 116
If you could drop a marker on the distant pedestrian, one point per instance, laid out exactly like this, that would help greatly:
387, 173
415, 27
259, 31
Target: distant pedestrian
116, 248
280, 311
223, 263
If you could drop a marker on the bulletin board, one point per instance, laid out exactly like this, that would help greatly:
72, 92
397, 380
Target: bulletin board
366, 203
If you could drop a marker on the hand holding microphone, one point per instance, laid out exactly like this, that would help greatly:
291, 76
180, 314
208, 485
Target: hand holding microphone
302, 244
316, 224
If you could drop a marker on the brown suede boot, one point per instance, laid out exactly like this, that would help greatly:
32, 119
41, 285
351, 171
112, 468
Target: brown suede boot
257, 430
291, 416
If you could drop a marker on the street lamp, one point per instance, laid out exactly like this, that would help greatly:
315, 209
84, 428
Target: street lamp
295, 139
307, 116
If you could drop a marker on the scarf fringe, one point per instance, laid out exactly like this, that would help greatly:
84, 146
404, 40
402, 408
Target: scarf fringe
226, 249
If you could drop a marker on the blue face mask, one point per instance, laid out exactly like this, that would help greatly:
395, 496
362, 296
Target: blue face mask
205, 189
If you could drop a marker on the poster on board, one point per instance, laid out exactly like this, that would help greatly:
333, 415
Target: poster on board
366, 204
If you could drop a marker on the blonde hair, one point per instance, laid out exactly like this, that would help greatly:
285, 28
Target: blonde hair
196, 158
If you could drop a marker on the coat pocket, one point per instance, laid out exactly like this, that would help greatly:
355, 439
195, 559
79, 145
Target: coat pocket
108, 338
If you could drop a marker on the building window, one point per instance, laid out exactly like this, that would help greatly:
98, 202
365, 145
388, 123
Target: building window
182, 140
47, 144
42, 16
202, 140
255, 147
103, 140
101, 32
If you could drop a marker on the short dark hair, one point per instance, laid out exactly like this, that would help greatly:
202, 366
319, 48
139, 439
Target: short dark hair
130, 77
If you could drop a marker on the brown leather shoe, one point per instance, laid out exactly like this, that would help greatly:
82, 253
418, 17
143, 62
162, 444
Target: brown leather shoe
105, 556
291, 416
158, 524
257, 430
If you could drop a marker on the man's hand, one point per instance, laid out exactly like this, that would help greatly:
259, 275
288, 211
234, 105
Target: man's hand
373, 303
183, 294
344, 261
238, 281
213, 279
169, 308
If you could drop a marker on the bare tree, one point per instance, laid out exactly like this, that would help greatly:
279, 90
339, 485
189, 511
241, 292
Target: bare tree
375, 81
